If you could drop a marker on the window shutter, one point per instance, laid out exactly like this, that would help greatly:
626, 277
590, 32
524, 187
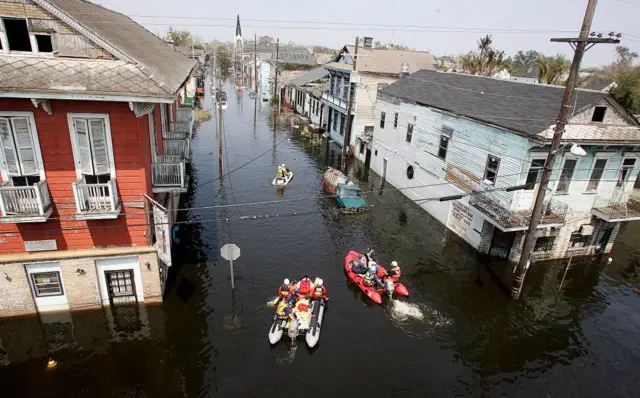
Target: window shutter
8, 148
84, 148
25, 146
99, 147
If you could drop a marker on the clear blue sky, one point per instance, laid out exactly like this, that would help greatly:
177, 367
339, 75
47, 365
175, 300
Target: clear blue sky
497, 17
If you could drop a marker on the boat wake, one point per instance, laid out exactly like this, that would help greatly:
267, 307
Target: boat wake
273, 301
402, 311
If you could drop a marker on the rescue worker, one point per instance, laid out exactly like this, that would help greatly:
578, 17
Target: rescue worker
377, 281
282, 171
369, 276
394, 272
303, 288
319, 291
357, 266
286, 290
284, 311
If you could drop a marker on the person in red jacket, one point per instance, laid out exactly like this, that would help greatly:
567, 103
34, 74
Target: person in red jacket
286, 290
395, 271
319, 290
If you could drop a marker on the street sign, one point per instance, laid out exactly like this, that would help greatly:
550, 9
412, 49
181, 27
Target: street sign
230, 252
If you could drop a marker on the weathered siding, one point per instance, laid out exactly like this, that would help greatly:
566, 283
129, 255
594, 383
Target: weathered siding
611, 116
366, 94
35, 13
132, 154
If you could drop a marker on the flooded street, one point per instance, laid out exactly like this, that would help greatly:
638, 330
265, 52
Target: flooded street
458, 334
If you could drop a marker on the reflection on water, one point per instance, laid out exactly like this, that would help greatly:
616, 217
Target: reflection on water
456, 335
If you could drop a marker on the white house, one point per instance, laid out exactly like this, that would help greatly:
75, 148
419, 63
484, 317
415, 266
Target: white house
375, 68
485, 140
304, 93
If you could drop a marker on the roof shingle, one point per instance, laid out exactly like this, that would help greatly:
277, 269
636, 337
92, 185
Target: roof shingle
521, 107
375, 60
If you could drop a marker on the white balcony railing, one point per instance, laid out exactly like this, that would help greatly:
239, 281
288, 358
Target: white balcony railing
181, 148
168, 175
96, 200
327, 96
29, 202
184, 115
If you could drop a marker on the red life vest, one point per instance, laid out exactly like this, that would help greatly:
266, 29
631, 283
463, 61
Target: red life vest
381, 272
396, 274
304, 287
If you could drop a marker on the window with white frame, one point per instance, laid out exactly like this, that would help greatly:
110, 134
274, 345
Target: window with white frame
534, 173
445, 135
596, 174
92, 149
21, 157
382, 117
395, 120
491, 169
566, 175
46, 284
22, 35
409, 133
625, 171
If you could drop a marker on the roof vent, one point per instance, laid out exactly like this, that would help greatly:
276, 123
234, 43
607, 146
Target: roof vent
367, 42
404, 70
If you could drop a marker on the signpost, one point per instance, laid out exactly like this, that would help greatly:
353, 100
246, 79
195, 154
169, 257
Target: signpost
230, 252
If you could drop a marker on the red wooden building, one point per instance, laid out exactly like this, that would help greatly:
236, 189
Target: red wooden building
94, 144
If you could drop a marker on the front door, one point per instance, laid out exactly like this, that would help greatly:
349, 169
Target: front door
501, 244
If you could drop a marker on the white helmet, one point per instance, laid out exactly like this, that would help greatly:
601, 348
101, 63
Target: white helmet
283, 165
287, 281
319, 282
394, 263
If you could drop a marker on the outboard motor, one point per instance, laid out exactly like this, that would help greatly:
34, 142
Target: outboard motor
389, 287
293, 331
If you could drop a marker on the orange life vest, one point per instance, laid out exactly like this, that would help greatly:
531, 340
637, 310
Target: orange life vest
319, 291
396, 274
285, 291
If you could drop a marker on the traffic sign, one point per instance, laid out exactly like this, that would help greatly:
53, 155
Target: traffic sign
230, 252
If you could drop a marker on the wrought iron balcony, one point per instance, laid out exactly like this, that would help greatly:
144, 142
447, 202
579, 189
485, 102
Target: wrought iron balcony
499, 214
168, 174
620, 207
96, 201
25, 204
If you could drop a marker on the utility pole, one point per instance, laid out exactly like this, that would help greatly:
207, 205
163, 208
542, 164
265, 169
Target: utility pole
275, 88
255, 63
580, 45
347, 128
220, 153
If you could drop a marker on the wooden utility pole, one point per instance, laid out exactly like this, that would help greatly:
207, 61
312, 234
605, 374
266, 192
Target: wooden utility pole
276, 93
347, 128
220, 142
580, 45
255, 63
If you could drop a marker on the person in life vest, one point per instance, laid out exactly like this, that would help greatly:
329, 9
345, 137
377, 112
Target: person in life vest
319, 291
376, 279
282, 171
394, 272
284, 311
369, 276
303, 288
357, 266
286, 290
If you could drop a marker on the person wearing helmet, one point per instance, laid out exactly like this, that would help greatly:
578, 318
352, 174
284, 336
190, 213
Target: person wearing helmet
284, 310
394, 272
286, 290
369, 276
282, 171
319, 290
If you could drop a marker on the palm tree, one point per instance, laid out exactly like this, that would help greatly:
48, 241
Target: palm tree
486, 61
553, 69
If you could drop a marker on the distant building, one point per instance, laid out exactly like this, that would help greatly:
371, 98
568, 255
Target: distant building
527, 75
304, 93
449, 134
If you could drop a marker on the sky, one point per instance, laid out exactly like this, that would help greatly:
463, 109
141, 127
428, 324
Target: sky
442, 27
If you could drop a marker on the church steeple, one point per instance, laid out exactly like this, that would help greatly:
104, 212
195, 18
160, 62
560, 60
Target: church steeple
238, 29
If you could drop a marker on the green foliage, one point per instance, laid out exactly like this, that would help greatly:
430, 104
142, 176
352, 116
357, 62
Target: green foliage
553, 69
223, 58
292, 66
486, 61
179, 37
627, 90
525, 60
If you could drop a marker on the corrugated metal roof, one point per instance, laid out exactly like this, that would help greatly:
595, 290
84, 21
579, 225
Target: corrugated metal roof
310, 77
155, 58
374, 60
521, 107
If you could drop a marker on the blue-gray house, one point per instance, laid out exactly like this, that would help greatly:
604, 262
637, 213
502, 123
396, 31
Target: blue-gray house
456, 134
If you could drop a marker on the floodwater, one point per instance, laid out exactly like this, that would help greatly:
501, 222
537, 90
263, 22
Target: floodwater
456, 335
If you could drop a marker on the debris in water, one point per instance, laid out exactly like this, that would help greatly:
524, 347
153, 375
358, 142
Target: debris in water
273, 301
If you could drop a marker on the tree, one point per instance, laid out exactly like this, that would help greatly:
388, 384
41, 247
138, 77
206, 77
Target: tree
223, 58
627, 90
487, 61
266, 41
553, 69
179, 37
526, 60
624, 60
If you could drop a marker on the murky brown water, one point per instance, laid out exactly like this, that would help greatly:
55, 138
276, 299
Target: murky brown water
458, 334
